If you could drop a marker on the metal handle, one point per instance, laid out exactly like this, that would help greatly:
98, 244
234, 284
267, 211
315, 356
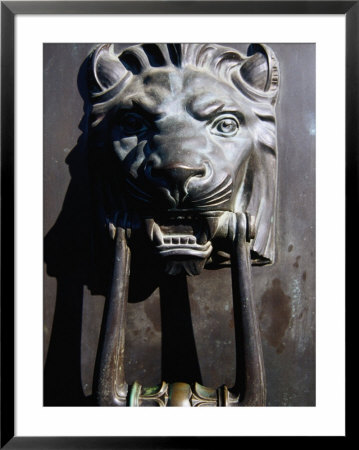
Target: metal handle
112, 387
249, 390
253, 390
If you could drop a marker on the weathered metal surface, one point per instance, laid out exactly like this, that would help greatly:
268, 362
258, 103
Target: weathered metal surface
111, 386
285, 299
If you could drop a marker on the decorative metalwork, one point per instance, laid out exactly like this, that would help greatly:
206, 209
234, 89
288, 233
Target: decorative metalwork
184, 165
180, 394
153, 396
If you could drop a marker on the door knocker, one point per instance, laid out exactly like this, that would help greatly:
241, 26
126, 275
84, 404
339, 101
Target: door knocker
183, 163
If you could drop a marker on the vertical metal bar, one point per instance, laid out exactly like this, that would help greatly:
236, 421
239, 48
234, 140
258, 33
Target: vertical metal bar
112, 387
251, 383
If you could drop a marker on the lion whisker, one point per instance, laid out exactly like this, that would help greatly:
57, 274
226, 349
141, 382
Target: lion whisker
226, 183
214, 194
214, 203
225, 196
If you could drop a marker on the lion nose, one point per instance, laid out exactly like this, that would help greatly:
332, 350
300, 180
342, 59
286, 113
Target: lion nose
178, 174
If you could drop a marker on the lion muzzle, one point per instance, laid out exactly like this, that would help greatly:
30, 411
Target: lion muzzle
176, 178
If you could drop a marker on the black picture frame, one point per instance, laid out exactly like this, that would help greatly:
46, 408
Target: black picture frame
9, 10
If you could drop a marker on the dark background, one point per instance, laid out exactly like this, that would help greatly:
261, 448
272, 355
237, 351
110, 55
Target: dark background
284, 292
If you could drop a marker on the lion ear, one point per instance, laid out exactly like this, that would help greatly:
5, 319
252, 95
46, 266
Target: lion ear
106, 69
261, 69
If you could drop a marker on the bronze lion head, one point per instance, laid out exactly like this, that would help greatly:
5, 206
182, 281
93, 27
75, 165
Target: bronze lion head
183, 135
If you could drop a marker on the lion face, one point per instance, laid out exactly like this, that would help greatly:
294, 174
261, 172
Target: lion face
183, 141
183, 147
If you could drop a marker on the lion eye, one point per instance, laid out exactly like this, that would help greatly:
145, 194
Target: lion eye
225, 126
133, 123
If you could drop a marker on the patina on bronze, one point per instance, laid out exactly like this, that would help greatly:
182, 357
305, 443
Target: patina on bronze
184, 166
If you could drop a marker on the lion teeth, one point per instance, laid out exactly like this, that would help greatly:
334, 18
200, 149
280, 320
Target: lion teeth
154, 232
112, 230
179, 240
192, 240
212, 223
157, 235
149, 224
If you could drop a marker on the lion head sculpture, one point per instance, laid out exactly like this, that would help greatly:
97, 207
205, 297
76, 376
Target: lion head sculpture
184, 134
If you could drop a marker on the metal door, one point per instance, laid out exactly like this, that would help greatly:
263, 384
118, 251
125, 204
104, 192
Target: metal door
284, 292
